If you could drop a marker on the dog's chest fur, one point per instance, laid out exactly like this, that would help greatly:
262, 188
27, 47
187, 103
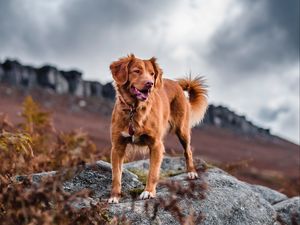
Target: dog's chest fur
140, 140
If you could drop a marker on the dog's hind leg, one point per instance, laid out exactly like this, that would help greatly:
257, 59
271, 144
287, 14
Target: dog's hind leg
184, 137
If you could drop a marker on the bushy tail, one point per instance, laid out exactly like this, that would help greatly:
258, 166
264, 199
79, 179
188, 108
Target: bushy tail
197, 91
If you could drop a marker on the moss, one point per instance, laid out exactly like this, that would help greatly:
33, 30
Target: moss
142, 175
135, 192
106, 217
171, 173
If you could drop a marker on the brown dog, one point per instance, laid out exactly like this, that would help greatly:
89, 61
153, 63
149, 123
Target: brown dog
147, 107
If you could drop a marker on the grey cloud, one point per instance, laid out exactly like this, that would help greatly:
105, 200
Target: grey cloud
82, 26
269, 114
265, 36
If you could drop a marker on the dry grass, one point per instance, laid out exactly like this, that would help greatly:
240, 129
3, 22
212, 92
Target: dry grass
35, 146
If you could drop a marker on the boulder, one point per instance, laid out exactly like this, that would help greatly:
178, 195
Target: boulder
227, 201
288, 211
215, 198
268, 194
97, 177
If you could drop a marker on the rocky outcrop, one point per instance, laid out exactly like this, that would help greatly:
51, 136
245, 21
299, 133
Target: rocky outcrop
49, 77
215, 198
221, 116
14, 73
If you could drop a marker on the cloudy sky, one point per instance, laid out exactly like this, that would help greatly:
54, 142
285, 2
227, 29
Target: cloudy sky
247, 49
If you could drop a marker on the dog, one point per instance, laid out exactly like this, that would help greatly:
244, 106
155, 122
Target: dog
147, 107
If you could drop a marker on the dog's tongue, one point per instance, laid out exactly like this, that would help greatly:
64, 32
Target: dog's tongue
140, 95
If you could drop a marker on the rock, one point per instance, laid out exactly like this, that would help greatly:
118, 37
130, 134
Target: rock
170, 166
288, 211
268, 194
12, 73
1, 72
96, 89
16, 74
36, 177
221, 116
227, 201
76, 84
215, 198
92, 88
97, 177
108, 91
50, 77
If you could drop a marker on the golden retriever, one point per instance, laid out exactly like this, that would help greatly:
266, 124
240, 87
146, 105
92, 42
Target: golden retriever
146, 108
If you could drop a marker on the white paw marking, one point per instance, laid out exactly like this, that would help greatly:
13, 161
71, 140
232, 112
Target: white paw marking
192, 175
146, 195
113, 200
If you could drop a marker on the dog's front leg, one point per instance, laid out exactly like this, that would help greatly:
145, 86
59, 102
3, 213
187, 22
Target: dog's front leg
117, 158
156, 156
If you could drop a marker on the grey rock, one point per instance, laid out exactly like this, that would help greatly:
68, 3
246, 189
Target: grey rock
108, 91
97, 178
12, 72
92, 88
288, 211
268, 194
221, 116
1, 72
168, 164
76, 84
51, 78
87, 88
227, 201
96, 88
36, 177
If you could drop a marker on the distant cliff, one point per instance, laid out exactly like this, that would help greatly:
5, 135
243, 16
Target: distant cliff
62, 82
70, 82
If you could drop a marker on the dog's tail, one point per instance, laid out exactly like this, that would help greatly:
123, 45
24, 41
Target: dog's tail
197, 94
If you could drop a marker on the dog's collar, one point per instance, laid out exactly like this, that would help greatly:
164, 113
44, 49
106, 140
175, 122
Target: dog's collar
132, 110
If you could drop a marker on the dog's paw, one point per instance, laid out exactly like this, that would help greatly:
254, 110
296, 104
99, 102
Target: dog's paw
146, 195
192, 175
113, 200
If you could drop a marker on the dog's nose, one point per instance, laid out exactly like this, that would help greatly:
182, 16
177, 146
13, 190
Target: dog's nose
149, 84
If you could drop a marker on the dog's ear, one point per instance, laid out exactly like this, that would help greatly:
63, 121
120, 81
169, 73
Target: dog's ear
119, 69
158, 73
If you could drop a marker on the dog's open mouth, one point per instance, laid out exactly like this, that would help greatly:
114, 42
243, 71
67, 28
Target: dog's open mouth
140, 94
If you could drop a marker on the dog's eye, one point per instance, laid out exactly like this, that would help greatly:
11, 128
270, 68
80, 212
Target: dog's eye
136, 71
152, 73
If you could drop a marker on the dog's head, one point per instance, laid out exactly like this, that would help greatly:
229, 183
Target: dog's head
138, 76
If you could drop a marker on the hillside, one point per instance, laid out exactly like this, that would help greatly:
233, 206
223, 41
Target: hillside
224, 139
